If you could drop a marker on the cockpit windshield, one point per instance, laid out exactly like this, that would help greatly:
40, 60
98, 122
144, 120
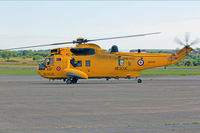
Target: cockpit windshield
44, 62
42, 65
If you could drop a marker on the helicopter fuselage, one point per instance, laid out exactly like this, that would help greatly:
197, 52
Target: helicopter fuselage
90, 61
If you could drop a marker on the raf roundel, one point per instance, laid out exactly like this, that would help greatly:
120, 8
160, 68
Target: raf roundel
58, 68
140, 62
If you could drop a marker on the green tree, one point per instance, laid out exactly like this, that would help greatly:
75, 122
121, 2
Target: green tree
6, 54
37, 57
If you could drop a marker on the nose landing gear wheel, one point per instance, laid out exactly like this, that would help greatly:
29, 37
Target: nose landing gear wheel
139, 81
69, 81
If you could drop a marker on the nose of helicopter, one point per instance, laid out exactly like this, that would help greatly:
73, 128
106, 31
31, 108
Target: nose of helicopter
40, 69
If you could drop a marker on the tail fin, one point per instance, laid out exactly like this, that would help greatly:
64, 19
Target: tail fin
176, 57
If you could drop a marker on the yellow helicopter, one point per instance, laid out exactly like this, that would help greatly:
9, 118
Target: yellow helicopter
88, 60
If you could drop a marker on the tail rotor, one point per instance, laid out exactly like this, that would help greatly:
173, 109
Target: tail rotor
187, 43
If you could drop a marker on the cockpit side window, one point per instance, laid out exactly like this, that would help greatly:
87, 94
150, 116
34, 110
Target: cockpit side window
83, 51
50, 60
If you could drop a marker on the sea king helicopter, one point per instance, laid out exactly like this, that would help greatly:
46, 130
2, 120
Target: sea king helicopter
88, 60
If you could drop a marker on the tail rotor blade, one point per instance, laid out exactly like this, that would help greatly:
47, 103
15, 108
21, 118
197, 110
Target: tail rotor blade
195, 42
187, 36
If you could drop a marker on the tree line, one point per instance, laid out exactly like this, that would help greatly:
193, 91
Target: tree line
35, 55
192, 59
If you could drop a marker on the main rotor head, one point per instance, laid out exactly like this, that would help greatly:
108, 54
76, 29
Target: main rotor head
80, 40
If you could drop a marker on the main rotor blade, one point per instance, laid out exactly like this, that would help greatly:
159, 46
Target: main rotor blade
178, 41
83, 41
53, 44
138, 35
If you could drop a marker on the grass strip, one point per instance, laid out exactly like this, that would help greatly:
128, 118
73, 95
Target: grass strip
17, 72
170, 72
17, 66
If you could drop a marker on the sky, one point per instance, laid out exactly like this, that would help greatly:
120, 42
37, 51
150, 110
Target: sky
42, 22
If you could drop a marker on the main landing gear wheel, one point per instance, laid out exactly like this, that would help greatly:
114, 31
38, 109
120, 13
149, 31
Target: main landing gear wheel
139, 81
71, 80
74, 80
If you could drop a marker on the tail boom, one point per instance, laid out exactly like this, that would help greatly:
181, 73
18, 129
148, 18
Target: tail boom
176, 57
158, 60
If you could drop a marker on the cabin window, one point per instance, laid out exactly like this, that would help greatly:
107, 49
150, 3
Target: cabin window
79, 63
82, 51
87, 63
121, 62
58, 59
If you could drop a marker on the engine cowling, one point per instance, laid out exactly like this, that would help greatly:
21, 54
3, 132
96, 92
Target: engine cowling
114, 48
